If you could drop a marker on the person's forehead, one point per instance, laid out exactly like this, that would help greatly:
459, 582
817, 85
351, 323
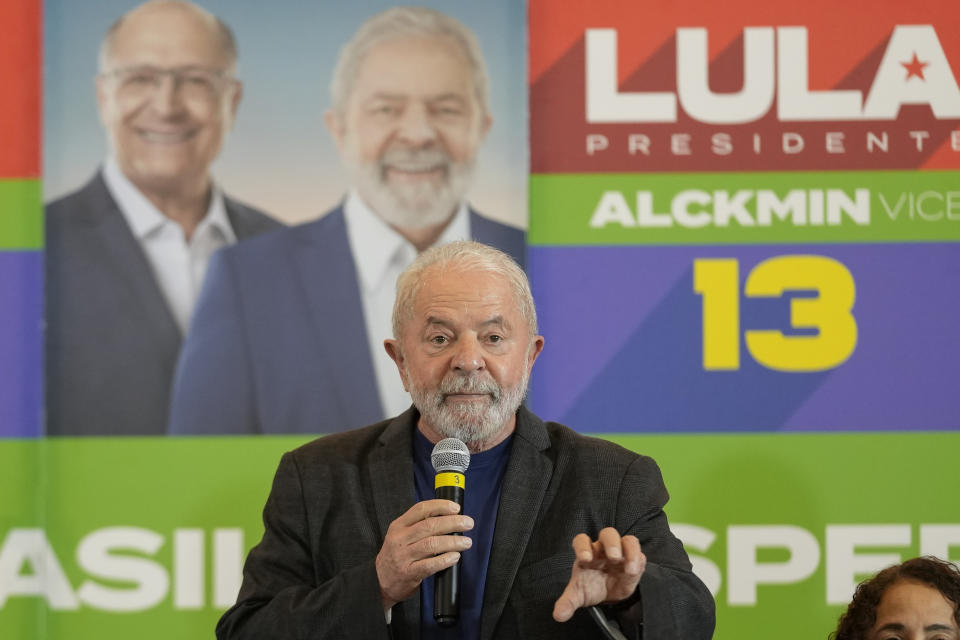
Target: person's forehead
467, 290
168, 36
412, 65
912, 597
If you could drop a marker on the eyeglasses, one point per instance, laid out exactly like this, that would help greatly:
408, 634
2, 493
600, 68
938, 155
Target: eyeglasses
194, 83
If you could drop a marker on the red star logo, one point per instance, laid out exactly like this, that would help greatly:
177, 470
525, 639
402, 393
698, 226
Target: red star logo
915, 67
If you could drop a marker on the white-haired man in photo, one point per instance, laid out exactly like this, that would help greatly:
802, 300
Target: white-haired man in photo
286, 337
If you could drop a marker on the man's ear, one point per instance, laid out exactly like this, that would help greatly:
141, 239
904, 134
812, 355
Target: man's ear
535, 348
235, 100
396, 354
485, 126
101, 92
336, 125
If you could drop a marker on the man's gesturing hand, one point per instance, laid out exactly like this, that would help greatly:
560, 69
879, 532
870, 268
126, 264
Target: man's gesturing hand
607, 570
418, 545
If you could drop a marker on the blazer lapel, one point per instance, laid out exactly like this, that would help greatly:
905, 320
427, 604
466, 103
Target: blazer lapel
328, 277
127, 262
524, 485
391, 482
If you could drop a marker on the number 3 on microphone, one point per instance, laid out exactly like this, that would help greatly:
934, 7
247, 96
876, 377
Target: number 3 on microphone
829, 312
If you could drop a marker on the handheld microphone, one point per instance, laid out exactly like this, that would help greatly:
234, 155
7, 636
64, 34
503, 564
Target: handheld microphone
450, 459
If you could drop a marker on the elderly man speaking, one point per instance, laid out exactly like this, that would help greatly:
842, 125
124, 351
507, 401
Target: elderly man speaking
286, 336
553, 521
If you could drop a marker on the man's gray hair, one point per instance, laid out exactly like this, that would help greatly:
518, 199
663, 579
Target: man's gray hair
465, 255
407, 22
228, 44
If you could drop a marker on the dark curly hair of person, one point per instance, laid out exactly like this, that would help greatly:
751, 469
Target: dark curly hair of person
861, 615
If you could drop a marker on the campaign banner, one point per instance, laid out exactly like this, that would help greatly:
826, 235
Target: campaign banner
751, 210
748, 338
145, 537
743, 86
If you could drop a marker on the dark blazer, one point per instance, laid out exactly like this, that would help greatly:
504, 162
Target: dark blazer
278, 342
111, 340
313, 574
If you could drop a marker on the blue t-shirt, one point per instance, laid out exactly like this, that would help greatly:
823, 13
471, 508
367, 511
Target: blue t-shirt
481, 501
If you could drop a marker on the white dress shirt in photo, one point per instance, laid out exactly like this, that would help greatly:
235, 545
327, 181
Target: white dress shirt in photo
178, 266
380, 255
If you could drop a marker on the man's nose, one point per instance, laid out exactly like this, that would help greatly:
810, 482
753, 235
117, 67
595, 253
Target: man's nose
416, 127
166, 98
468, 356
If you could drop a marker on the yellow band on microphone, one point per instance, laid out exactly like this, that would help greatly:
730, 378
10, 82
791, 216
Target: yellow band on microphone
450, 479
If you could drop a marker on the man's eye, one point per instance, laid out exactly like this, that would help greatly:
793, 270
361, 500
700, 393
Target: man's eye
198, 79
141, 78
439, 340
495, 338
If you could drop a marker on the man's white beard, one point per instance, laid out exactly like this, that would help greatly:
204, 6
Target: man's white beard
414, 204
470, 422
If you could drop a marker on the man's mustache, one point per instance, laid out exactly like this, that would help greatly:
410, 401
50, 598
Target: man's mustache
414, 159
470, 384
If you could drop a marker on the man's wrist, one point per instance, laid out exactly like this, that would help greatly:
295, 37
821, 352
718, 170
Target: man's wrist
626, 603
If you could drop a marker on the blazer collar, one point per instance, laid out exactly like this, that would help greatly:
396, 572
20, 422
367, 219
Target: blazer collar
525, 483
524, 486
328, 278
119, 248
391, 477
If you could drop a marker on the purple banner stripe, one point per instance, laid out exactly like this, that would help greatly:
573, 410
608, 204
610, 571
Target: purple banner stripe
624, 347
21, 344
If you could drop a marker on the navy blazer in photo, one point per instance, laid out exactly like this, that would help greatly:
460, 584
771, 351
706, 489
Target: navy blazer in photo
278, 342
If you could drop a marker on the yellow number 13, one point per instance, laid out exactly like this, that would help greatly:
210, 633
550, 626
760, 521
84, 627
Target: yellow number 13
829, 313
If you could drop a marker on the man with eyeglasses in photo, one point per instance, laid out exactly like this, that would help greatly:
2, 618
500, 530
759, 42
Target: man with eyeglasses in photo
126, 254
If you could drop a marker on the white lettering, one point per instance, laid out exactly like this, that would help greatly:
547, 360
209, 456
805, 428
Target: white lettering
893, 86
895, 211
793, 206
721, 144
228, 554
929, 215
646, 217
638, 142
188, 565
745, 573
838, 203
795, 101
612, 208
47, 579
845, 565
919, 137
834, 142
693, 83
94, 556
882, 143
700, 539
725, 208
792, 142
604, 101
936, 539
680, 208
596, 142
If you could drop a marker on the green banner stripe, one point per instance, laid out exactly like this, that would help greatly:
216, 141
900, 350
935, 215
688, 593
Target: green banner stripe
193, 496
21, 214
745, 208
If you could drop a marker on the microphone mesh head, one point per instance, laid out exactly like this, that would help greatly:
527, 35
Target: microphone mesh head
450, 454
